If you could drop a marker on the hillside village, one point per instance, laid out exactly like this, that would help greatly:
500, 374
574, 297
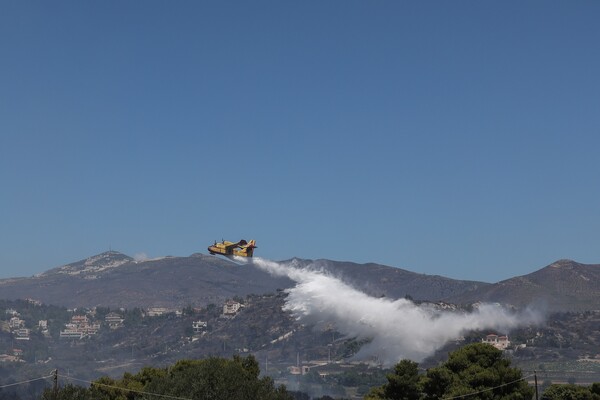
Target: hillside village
85, 323
93, 342
191, 324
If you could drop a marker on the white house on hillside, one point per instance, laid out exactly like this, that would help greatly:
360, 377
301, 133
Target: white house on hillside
199, 326
231, 307
499, 342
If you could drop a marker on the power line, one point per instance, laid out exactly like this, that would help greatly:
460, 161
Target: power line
55, 374
488, 389
125, 389
28, 381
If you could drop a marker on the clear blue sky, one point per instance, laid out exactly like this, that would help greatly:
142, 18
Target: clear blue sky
451, 138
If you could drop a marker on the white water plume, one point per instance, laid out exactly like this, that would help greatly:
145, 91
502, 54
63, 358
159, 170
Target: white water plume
395, 329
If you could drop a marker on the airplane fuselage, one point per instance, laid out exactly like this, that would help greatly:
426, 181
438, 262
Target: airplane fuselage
225, 248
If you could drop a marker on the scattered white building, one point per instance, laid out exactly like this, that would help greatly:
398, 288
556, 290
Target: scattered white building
231, 307
79, 327
16, 323
14, 313
21, 334
114, 320
79, 319
33, 301
298, 369
499, 342
8, 358
43, 327
70, 333
157, 311
199, 326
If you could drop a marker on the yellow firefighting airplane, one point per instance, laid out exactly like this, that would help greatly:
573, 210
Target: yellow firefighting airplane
241, 248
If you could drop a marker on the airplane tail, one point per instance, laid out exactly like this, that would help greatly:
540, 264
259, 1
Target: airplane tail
247, 249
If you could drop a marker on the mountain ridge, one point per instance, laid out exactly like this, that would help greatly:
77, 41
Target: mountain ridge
118, 280
564, 285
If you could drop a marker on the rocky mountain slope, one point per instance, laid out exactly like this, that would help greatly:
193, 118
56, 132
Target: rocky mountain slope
564, 285
113, 279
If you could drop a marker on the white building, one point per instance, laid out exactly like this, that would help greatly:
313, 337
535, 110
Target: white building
43, 327
22, 334
231, 307
114, 320
16, 323
199, 326
71, 334
79, 327
157, 311
499, 342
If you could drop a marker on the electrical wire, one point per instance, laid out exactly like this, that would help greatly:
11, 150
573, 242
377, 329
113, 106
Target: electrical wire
186, 398
488, 389
28, 381
166, 396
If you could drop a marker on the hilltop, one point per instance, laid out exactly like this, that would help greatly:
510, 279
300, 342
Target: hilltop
564, 285
113, 279
116, 280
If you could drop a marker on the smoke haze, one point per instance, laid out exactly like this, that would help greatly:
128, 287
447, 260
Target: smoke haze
397, 329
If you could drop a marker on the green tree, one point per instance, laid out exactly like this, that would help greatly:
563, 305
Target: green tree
187, 310
218, 378
212, 378
68, 392
106, 388
404, 383
102, 312
570, 392
133, 317
475, 368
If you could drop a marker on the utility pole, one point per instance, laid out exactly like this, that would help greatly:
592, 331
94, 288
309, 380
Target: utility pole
536, 385
55, 379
